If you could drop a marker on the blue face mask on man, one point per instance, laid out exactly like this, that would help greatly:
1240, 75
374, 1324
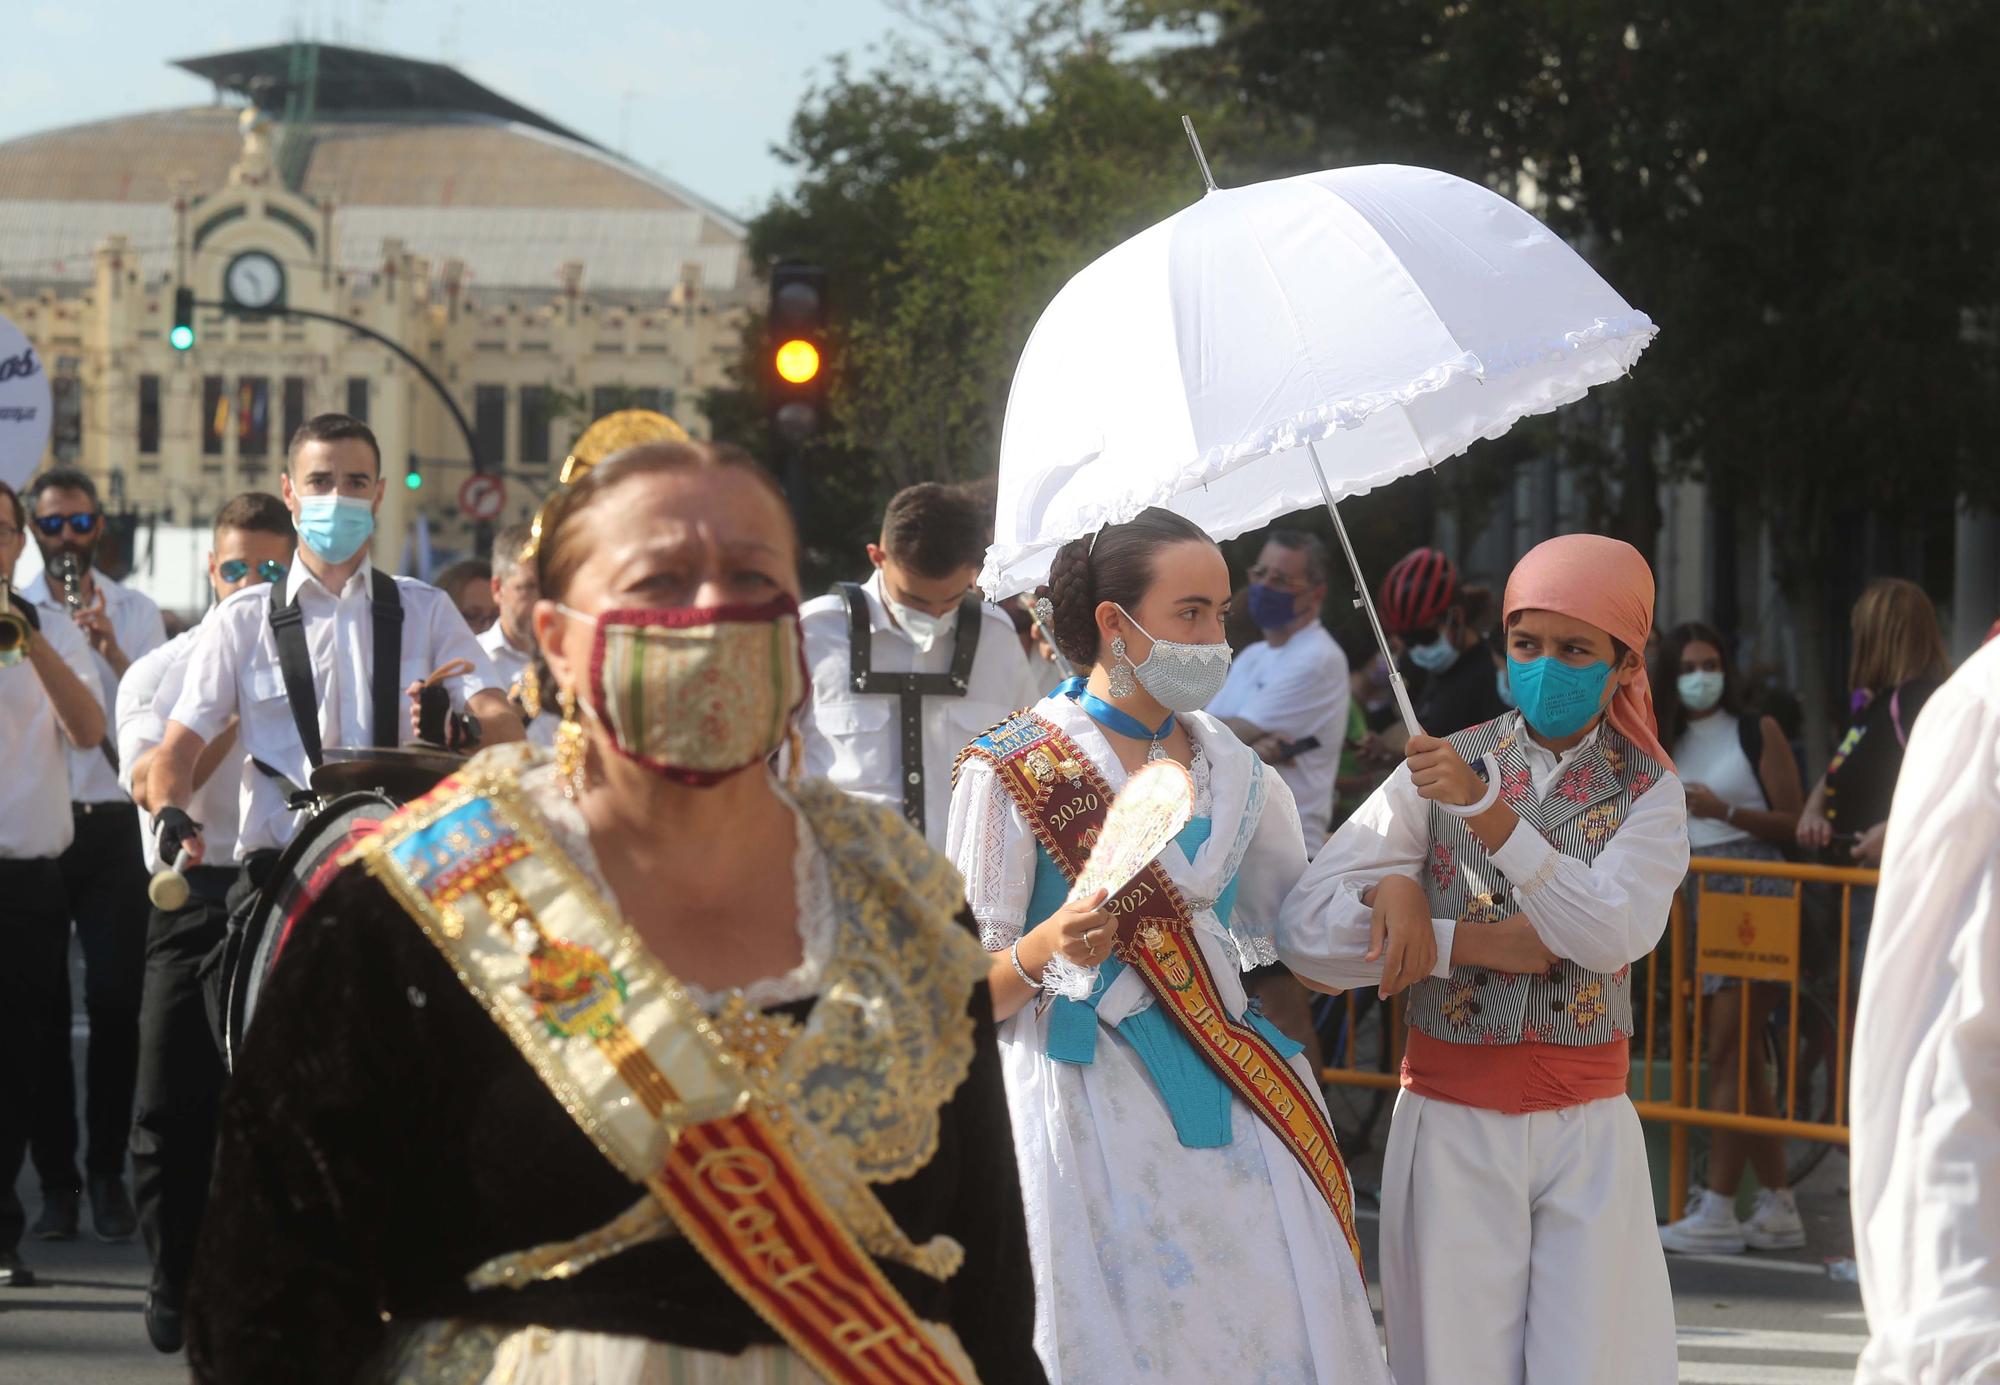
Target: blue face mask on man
1437, 656
1271, 609
335, 526
1558, 699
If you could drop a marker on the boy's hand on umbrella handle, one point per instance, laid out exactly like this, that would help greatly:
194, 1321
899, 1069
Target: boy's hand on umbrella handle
1440, 773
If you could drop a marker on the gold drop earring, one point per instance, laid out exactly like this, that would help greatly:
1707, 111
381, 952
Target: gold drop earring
572, 748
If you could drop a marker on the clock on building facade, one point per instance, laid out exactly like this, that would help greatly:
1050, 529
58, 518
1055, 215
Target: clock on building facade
254, 280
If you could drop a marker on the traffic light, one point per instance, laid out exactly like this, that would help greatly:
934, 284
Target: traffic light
413, 479
181, 335
797, 322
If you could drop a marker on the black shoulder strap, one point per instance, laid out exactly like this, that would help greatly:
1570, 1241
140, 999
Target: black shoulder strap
288, 630
860, 648
1750, 736
385, 605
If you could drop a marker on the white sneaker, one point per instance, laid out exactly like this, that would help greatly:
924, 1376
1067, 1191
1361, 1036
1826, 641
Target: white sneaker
1709, 1228
1774, 1223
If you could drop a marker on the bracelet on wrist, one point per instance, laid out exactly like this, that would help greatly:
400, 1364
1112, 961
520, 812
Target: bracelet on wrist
1014, 956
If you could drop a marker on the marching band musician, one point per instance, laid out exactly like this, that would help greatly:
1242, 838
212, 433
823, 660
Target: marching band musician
47, 707
510, 640
1518, 1239
180, 1071
321, 660
103, 874
637, 1062
910, 665
1188, 1211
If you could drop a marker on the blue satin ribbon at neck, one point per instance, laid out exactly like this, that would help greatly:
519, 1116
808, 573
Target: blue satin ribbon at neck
1110, 717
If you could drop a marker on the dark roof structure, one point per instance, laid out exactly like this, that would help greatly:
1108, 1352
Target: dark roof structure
335, 83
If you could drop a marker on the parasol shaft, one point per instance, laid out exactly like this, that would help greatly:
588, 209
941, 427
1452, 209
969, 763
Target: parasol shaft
1366, 601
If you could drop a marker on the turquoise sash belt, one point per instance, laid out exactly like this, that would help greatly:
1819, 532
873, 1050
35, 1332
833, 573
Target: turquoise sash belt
1195, 1095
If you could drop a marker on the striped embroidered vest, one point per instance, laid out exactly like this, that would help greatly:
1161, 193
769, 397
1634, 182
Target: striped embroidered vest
1584, 806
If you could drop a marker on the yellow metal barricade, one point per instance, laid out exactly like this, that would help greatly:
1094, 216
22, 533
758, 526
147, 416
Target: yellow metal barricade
1748, 937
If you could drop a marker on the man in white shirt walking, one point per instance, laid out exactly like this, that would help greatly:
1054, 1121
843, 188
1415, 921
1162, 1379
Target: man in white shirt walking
180, 1071
1926, 1111
328, 659
510, 640
47, 708
910, 666
1286, 697
102, 872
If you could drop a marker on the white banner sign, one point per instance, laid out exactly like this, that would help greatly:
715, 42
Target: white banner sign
25, 412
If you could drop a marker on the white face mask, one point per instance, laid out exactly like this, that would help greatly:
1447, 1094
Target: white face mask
924, 629
1181, 677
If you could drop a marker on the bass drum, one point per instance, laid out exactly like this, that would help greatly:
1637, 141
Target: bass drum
296, 878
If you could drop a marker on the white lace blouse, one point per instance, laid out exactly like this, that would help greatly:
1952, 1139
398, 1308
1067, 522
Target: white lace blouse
817, 922
1254, 834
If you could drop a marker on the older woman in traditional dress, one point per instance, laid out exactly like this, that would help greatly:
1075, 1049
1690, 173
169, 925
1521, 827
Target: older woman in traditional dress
1189, 1215
637, 1063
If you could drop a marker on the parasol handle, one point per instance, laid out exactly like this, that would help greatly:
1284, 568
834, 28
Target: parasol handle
1365, 600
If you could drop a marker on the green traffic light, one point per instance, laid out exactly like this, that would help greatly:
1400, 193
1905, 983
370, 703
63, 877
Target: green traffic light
181, 337
414, 480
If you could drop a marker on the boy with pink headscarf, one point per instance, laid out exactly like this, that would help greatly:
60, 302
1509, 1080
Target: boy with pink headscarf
1509, 876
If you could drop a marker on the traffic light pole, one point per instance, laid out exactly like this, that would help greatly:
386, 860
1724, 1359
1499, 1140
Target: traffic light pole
450, 404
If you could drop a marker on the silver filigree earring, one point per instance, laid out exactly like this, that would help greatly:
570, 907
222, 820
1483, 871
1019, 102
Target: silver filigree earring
1123, 684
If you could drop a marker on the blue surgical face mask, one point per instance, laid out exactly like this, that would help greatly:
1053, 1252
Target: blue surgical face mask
1437, 656
1270, 608
1502, 686
1558, 699
335, 526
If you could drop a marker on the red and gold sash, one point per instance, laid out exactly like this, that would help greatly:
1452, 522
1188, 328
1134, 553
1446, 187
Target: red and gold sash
1065, 800
674, 1098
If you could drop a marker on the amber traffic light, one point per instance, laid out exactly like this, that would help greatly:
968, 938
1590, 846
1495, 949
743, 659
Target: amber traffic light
797, 323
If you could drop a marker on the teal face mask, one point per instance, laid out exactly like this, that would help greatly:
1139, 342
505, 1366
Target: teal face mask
335, 526
1557, 699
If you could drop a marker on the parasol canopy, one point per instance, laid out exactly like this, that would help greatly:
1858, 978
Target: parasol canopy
1385, 317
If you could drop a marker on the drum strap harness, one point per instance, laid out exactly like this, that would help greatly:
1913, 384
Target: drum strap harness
288, 629
910, 689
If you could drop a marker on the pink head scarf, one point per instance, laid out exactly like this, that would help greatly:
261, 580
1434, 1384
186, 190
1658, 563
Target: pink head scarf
1603, 582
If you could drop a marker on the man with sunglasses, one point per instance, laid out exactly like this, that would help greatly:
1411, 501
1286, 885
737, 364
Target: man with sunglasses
103, 873
180, 1072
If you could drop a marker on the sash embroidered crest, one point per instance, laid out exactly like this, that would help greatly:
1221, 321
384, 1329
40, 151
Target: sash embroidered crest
1065, 800
676, 1100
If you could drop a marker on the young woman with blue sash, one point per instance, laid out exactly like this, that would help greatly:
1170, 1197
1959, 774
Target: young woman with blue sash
1177, 1234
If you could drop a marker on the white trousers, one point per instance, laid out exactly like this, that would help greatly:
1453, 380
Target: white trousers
1521, 1249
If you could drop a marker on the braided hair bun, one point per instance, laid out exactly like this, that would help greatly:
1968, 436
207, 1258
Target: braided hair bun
1115, 565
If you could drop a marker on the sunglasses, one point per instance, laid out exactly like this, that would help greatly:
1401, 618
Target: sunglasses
236, 569
52, 525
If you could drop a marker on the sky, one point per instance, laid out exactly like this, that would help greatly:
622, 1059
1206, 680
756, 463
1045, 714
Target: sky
699, 93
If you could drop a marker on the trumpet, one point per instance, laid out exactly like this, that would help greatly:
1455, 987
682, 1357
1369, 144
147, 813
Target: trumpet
13, 628
70, 573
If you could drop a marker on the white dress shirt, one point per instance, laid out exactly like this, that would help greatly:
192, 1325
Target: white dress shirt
1602, 915
145, 697
856, 740
1926, 1110
139, 630
1295, 690
35, 819
509, 665
234, 671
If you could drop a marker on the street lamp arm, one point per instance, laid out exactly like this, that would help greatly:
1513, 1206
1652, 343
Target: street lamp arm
430, 378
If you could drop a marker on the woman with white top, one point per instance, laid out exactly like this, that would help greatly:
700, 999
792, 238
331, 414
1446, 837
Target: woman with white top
1175, 1236
1744, 797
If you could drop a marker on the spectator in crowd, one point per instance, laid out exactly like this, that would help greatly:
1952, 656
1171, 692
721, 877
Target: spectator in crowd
1448, 663
47, 708
1899, 661
1744, 797
469, 584
510, 640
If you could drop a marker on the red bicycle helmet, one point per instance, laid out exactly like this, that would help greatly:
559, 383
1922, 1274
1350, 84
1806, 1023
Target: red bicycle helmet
1418, 591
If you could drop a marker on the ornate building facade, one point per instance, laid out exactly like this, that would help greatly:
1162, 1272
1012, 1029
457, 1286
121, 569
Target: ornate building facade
541, 279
